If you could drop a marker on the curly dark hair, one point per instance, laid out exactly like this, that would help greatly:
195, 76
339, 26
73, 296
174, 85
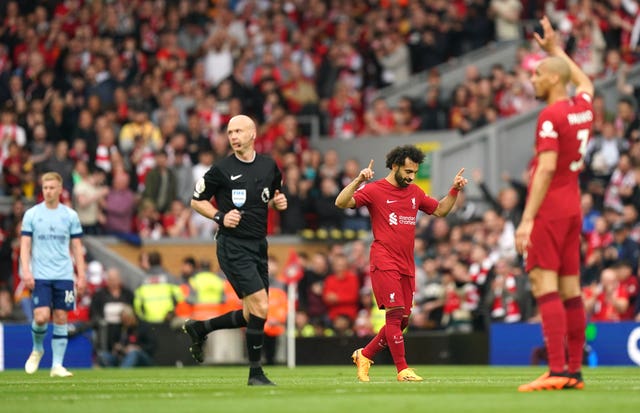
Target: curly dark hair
398, 155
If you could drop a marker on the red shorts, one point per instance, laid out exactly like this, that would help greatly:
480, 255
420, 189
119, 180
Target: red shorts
391, 289
555, 245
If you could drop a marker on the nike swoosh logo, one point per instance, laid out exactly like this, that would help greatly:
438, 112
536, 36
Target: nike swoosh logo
257, 347
234, 177
391, 202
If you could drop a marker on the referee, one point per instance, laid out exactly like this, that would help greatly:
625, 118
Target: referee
244, 185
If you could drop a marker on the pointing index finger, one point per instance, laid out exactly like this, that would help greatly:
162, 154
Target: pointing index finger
370, 164
460, 172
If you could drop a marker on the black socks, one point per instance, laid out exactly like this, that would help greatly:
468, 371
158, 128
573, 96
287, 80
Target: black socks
255, 340
232, 319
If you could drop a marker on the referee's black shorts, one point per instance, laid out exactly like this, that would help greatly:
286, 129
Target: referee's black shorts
244, 262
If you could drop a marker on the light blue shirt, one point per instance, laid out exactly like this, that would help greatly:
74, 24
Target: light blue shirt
51, 231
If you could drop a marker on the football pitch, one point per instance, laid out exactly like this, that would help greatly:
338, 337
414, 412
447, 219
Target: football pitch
475, 389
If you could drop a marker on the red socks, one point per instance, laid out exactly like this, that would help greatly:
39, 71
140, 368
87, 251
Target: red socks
554, 329
576, 323
560, 321
395, 339
379, 342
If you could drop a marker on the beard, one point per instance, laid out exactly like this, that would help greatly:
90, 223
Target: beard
402, 182
542, 95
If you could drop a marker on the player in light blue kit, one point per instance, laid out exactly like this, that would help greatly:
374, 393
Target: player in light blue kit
47, 270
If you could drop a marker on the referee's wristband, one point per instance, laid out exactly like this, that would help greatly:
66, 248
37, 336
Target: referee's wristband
219, 218
454, 191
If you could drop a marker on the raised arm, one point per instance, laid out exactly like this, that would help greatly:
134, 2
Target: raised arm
345, 197
446, 203
550, 44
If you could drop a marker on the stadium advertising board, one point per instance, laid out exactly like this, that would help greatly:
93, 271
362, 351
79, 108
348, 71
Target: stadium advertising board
608, 344
15, 346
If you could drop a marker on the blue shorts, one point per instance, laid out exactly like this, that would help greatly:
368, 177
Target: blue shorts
59, 294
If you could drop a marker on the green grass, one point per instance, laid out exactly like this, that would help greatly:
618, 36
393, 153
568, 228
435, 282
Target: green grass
313, 389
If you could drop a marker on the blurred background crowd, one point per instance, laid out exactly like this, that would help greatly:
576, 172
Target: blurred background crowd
128, 100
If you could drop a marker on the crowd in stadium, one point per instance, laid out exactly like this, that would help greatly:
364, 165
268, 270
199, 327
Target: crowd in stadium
128, 101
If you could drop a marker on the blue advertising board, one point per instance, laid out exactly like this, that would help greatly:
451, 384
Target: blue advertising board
16, 344
609, 344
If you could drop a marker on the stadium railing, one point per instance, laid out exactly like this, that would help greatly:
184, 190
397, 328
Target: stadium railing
452, 72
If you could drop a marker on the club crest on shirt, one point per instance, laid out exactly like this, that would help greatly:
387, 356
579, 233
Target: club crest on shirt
265, 195
238, 197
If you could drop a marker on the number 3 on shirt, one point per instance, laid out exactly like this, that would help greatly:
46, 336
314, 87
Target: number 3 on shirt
583, 137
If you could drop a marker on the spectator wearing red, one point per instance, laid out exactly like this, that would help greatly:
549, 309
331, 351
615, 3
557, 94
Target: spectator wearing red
106, 147
480, 264
405, 117
177, 221
629, 283
341, 292
606, 301
503, 295
271, 130
299, 91
345, 112
32, 47
142, 160
600, 237
455, 316
147, 221
65, 12
10, 131
12, 17
169, 48
379, 119
78, 151
293, 139
12, 170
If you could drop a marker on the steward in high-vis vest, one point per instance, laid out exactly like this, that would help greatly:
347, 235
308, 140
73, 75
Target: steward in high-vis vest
208, 289
184, 309
155, 301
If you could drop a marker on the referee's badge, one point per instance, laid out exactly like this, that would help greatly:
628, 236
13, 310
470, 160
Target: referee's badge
239, 197
265, 195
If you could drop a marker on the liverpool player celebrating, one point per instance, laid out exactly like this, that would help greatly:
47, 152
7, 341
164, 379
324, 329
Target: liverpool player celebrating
549, 233
393, 204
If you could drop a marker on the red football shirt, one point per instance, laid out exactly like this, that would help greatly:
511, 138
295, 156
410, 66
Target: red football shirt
564, 127
393, 213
